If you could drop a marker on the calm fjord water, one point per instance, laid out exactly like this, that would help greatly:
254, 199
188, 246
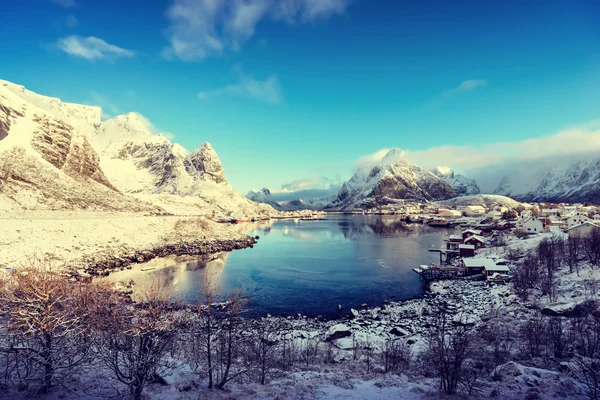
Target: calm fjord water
311, 267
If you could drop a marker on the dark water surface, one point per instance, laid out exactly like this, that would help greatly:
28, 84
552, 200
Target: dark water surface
310, 267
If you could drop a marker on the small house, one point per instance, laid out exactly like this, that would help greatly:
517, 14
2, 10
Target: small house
470, 232
578, 220
530, 225
477, 265
474, 211
466, 250
546, 212
582, 230
451, 214
476, 241
495, 271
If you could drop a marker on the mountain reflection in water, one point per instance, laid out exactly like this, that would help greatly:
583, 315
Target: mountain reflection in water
308, 267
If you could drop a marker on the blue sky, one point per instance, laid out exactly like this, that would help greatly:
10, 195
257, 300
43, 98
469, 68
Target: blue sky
298, 90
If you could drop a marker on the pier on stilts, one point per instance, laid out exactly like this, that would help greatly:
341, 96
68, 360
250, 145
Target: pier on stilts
436, 271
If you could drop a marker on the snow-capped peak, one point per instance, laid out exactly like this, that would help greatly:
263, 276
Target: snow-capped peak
393, 157
443, 170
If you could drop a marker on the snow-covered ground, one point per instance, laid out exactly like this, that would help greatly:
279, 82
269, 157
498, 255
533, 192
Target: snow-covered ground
66, 237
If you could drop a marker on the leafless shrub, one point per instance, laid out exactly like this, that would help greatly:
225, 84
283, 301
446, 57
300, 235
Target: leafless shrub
591, 247
395, 355
449, 349
533, 337
137, 340
46, 325
587, 371
526, 276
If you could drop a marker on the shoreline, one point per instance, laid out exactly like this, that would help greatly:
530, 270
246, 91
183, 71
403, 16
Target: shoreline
107, 265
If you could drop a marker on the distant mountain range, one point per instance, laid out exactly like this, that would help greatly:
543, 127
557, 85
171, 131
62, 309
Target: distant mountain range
577, 181
56, 155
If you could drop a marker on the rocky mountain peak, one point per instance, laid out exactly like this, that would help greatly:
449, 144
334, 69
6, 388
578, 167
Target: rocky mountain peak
205, 163
462, 185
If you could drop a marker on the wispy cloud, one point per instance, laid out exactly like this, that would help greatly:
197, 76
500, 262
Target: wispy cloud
152, 128
65, 3
92, 48
109, 108
268, 90
202, 28
465, 87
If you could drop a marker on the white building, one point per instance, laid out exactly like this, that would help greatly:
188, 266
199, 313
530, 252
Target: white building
577, 220
583, 229
546, 212
451, 214
473, 211
530, 225
495, 215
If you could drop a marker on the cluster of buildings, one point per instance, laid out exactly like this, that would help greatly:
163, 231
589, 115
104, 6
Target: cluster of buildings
576, 220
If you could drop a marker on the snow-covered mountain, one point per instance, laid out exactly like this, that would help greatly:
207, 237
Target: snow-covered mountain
263, 196
138, 161
462, 185
47, 162
61, 155
296, 204
392, 179
573, 182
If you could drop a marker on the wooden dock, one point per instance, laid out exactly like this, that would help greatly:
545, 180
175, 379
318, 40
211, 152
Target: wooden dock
435, 271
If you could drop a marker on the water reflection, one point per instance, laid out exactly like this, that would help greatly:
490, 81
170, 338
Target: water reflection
308, 267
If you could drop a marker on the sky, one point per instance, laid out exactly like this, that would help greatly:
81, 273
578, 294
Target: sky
295, 94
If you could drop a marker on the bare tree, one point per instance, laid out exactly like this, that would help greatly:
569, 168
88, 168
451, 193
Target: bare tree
448, 350
263, 347
395, 355
137, 339
587, 371
45, 321
591, 247
229, 340
573, 252
533, 335
526, 276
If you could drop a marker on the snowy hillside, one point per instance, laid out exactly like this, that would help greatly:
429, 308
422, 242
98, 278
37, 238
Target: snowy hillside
486, 200
46, 162
462, 185
390, 180
60, 155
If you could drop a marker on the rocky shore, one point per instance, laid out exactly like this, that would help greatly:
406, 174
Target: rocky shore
104, 264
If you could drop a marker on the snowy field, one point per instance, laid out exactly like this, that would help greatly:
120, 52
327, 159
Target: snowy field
66, 237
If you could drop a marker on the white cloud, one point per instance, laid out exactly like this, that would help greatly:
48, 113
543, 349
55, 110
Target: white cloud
490, 162
65, 3
268, 90
152, 128
202, 28
313, 182
91, 48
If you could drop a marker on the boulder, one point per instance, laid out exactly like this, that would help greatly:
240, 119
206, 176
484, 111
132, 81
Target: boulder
338, 331
570, 310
